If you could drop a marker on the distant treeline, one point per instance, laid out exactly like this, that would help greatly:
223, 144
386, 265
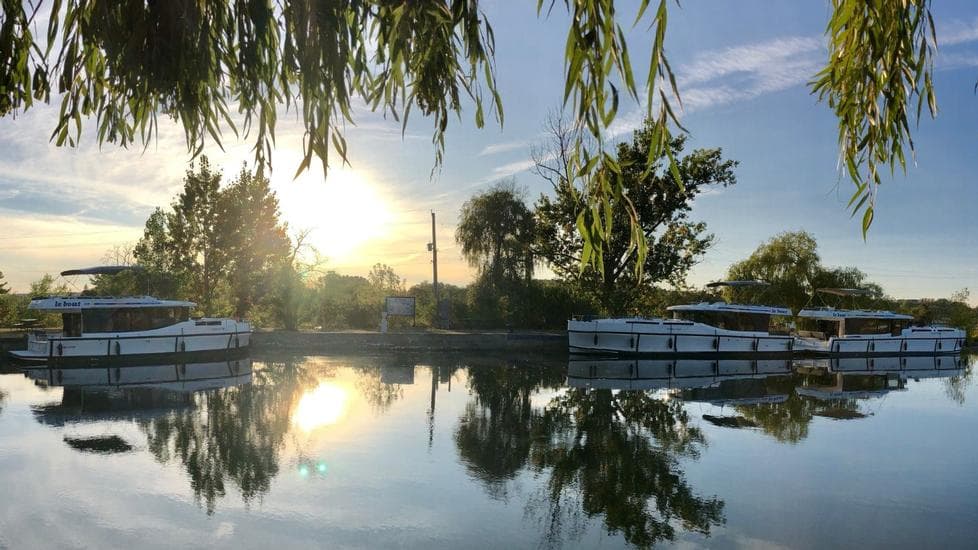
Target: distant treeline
226, 248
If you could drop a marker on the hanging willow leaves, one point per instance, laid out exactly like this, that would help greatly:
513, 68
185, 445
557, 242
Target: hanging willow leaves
234, 65
877, 79
124, 63
596, 57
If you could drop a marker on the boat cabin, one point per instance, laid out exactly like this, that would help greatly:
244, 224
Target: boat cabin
93, 315
743, 318
825, 323
737, 317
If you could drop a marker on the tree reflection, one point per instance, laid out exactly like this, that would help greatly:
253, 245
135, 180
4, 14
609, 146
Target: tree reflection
494, 433
955, 387
609, 455
788, 420
232, 434
616, 455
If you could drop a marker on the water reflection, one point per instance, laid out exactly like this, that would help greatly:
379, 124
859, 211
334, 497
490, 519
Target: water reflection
609, 455
584, 448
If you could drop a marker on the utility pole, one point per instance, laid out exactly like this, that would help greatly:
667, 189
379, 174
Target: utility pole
433, 247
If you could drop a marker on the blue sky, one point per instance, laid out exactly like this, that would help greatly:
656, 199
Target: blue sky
742, 69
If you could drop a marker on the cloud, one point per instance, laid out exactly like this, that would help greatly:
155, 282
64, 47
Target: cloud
956, 32
740, 73
512, 168
505, 147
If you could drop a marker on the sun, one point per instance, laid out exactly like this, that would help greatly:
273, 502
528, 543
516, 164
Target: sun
343, 214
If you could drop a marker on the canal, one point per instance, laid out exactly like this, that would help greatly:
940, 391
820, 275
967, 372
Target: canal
456, 451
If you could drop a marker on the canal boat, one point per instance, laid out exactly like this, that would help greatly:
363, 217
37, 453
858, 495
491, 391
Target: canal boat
859, 332
706, 328
106, 330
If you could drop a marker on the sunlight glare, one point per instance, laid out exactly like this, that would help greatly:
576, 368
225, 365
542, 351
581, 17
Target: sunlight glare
343, 213
323, 406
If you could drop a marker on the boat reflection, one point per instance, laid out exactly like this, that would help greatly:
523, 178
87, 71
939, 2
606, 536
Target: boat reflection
866, 378
91, 394
668, 374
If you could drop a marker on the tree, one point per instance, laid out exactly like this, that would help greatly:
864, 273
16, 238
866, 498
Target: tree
193, 236
253, 241
153, 252
126, 67
496, 233
4, 289
675, 243
790, 262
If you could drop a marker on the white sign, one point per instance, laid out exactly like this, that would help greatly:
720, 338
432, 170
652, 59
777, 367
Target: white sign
399, 305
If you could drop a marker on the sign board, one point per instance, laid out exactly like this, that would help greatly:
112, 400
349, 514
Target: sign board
399, 305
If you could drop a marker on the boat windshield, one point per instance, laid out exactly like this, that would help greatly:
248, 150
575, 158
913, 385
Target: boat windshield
132, 319
728, 320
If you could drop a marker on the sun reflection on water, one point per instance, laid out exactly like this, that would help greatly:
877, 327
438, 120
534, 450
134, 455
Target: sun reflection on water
323, 406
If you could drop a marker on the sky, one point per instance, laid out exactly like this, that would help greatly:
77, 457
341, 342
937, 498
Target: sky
742, 70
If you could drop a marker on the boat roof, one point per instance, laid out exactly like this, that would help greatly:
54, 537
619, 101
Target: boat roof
738, 284
731, 308
832, 313
78, 303
100, 270
844, 291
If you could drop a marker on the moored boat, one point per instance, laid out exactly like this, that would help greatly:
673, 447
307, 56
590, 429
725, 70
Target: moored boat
98, 331
707, 328
840, 332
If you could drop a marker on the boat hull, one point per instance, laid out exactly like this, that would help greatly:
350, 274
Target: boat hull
869, 346
190, 342
668, 338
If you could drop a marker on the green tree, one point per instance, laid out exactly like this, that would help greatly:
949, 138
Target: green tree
675, 242
153, 252
252, 238
790, 262
194, 241
496, 233
338, 305
4, 289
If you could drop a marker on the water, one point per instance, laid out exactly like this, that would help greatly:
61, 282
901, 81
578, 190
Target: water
474, 452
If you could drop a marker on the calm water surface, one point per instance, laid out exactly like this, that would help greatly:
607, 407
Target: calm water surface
474, 452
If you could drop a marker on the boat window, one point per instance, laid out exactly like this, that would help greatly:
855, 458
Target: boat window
728, 320
97, 320
868, 326
72, 324
781, 325
898, 326
131, 319
820, 329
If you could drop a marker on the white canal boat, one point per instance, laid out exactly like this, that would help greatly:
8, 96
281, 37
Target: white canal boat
706, 328
101, 331
858, 332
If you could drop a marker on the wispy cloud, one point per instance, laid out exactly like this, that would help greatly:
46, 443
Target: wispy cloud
955, 32
505, 147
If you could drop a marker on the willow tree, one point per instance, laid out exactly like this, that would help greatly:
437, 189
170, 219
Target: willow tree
127, 63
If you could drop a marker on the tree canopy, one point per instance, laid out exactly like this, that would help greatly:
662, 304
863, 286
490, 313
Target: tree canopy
675, 242
127, 63
790, 262
496, 231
